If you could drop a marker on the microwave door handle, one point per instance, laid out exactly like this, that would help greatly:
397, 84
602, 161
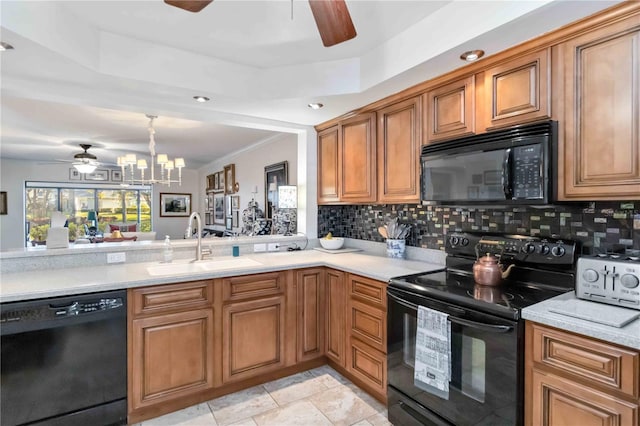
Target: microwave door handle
506, 175
467, 323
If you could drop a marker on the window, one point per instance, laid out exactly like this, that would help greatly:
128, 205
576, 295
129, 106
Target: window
112, 204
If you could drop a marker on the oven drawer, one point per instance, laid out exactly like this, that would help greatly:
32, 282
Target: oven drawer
602, 364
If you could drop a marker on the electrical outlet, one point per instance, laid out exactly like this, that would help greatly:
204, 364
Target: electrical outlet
259, 247
116, 257
272, 247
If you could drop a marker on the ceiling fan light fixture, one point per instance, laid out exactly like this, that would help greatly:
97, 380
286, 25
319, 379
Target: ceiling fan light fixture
85, 167
201, 99
472, 55
315, 105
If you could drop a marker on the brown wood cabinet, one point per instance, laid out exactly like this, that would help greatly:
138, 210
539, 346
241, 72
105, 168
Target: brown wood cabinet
367, 339
336, 311
357, 159
310, 313
518, 90
597, 89
253, 325
450, 110
328, 176
399, 142
572, 379
171, 349
347, 161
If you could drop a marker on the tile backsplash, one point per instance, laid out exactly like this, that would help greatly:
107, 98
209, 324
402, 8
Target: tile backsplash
598, 226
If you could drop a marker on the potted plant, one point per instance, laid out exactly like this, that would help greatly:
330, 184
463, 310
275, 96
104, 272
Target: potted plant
38, 234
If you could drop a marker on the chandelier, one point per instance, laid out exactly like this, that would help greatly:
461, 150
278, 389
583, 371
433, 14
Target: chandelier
130, 163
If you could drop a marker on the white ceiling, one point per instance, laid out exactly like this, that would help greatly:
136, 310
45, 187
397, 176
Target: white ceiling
89, 71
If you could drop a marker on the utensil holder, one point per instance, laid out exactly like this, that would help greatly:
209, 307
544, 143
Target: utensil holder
396, 248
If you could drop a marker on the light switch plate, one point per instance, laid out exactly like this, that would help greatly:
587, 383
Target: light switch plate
272, 247
116, 257
259, 247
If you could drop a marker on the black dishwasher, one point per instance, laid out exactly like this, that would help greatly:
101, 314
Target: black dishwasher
64, 360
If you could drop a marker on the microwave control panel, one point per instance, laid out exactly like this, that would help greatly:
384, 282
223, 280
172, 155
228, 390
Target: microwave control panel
528, 173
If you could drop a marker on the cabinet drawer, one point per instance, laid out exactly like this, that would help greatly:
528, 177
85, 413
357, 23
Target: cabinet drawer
251, 286
368, 324
602, 364
161, 298
369, 365
558, 401
367, 290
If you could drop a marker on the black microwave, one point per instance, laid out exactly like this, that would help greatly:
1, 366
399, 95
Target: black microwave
510, 166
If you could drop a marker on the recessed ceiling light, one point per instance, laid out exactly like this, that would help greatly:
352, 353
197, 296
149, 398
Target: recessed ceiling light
472, 55
315, 105
5, 46
201, 99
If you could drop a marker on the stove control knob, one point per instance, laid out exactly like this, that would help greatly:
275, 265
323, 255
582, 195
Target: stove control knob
630, 281
544, 249
528, 248
558, 251
464, 241
590, 275
454, 241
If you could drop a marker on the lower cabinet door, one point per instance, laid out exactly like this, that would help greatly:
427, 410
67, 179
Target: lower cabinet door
172, 356
557, 401
369, 365
253, 338
336, 312
310, 313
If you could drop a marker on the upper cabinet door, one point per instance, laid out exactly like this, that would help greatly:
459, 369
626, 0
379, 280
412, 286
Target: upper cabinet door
599, 149
399, 142
328, 177
357, 159
518, 91
450, 110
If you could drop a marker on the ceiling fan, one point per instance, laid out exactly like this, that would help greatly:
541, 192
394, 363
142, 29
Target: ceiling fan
84, 162
332, 18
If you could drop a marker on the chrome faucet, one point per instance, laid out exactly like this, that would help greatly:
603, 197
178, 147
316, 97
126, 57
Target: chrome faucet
190, 232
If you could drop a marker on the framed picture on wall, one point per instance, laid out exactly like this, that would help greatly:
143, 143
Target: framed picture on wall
100, 174
74, 174
275, 175
229, 178
175, 205
116, 175
218, 208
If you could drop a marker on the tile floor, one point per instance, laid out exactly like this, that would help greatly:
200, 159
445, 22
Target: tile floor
320, 396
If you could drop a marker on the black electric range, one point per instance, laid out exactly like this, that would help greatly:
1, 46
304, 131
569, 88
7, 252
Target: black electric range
485, 379
544, 268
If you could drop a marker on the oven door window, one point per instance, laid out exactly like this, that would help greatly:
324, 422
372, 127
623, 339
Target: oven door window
484, 367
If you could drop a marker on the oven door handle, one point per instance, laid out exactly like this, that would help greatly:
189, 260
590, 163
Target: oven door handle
467, 323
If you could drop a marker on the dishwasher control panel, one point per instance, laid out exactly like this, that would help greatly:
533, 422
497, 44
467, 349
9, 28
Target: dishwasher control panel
51, 309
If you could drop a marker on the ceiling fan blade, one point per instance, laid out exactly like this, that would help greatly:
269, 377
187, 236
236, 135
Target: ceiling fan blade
189, 5
333, 21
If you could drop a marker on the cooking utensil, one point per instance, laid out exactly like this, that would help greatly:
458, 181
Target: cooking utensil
383, 231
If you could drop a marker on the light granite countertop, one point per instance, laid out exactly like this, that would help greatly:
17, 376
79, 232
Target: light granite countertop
628, 335
17, 286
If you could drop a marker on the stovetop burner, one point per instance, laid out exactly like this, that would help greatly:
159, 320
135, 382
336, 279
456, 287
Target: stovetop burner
505, 300
544, 269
